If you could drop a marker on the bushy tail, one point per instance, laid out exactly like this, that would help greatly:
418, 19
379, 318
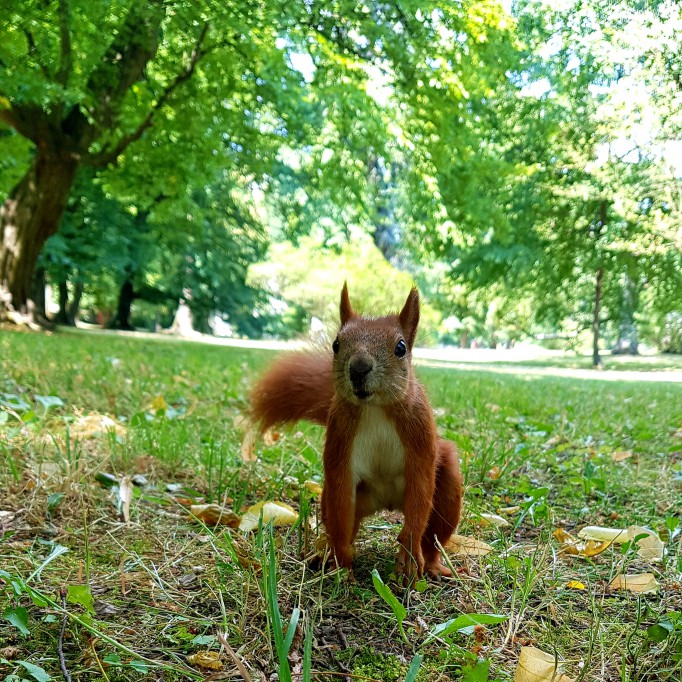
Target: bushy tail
296, 386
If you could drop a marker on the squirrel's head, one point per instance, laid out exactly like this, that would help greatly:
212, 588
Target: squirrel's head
373, 356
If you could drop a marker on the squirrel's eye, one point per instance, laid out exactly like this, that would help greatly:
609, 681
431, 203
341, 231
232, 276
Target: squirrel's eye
400, 349
335, 345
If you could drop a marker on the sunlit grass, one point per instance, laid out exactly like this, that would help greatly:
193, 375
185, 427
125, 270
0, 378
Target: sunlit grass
542, 445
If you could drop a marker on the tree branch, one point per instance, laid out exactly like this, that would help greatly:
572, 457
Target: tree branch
109, 155
65, 54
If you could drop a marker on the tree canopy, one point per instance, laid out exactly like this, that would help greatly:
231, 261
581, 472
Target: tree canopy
494, 153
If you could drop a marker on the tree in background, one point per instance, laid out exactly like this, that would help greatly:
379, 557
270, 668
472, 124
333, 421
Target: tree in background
209, 76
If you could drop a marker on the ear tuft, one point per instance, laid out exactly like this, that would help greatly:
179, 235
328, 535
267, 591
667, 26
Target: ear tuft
409, 317
345, 309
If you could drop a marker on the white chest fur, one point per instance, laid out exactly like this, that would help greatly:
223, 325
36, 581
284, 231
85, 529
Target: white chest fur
378, 460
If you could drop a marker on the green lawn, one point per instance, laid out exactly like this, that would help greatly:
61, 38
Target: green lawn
163, 586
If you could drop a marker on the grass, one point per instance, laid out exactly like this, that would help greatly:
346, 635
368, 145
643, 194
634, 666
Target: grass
141, 598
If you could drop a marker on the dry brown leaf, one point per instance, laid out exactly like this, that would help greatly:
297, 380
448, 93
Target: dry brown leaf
466, 546
576, 547
279, 513
249, 446
214, 514
494, 520
125, 496
621, 455
536, 666
208, 660
494, 473
313, 487
93, 425
640, 583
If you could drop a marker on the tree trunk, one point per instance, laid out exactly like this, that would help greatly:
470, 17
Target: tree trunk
125, 303
62, 316
29, 216
596, 359
73, 310
38, 296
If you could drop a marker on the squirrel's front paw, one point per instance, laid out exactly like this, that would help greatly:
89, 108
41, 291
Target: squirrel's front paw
409, 566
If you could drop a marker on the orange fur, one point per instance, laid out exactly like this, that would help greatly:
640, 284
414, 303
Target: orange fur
381, 448
297, 386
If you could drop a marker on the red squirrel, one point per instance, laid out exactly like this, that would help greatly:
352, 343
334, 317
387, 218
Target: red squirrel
381, 448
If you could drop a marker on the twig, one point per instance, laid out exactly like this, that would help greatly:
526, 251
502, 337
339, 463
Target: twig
60, 645
233, 655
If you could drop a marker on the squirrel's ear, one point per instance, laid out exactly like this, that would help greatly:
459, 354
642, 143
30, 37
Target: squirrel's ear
409, 317
345, 308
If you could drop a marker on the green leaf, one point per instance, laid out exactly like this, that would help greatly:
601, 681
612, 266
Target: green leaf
659, 632
414, 668
479, 673
385, 593
48, 401
53, 501
19, 618
35, 671
81, 594
465, 623
140, 666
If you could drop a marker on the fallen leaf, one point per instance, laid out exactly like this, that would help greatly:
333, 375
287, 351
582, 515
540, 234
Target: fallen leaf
575, 585
649, 548
640, 583
494, 473
279, 513
159, 404
621, 455
208, 660
509, 510
466, 546
249, 446
270, 437
576, 547
125, 496
93, 425
313, 487
494, 520
536, 666
214, 514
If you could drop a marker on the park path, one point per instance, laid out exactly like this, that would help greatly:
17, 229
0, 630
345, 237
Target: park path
500, 361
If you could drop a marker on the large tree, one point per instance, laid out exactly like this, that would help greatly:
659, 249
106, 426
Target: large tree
85, 83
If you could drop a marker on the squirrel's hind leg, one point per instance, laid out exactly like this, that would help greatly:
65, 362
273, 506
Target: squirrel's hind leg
447, 508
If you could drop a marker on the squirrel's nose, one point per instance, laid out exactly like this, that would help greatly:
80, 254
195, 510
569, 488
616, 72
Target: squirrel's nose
359, 368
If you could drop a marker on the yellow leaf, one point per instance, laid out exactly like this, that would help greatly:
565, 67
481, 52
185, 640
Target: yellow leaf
536, 666
159, 404
575, 547
465, 546
209, 660
509, 510
604, 534
214, 514
494, 520
621, 455
640, 583
95, 424
248, 450
280, 513
575, 585
650, 547
313, 487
